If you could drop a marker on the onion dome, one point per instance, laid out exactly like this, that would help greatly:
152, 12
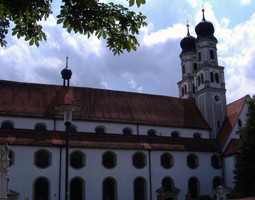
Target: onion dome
188, 43
66, 73
204, 28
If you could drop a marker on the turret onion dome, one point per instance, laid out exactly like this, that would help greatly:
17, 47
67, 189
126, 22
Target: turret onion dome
188, 43
204, 28
66, 72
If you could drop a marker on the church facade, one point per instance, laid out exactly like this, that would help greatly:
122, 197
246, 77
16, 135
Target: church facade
125, 145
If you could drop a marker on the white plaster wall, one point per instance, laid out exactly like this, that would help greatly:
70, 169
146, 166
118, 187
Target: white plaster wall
23, 173
181, 173
229, 163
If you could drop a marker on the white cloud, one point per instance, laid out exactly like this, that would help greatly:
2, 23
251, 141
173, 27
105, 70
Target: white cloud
132, 83
245, 2
225, 21
140, 89
193, 3
160, 36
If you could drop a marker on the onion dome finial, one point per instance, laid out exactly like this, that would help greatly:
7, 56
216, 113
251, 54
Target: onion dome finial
204, 28
66, 74
188, 42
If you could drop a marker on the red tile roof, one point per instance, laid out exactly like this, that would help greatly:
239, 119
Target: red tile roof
38, 100
231, 148
233, 112
112, 141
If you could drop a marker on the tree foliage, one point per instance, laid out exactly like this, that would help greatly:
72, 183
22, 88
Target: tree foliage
245, 167
115, 23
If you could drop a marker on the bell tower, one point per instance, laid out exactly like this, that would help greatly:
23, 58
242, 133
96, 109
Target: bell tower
207, 77
189, 64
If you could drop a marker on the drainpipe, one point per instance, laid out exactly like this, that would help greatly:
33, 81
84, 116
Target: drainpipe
60, 170
150, 174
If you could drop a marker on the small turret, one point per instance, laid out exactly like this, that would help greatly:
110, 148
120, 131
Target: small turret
66, 74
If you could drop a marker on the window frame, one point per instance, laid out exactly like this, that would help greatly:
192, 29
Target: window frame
83, 161
49, 158
196, 161
134, 160
105, 160
171, 160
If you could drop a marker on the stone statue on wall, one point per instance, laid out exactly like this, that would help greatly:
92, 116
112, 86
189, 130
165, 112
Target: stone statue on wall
4, 168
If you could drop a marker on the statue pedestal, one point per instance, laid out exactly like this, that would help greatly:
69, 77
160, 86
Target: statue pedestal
4, 168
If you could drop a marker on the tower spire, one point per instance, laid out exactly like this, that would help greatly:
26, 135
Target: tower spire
203, 11
188, 28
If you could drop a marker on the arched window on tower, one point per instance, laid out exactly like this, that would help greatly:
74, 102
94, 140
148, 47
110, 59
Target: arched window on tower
182, 91
212, 77
183, 69
217, 80
185, 89
199, 56
199, 81
212, 54
202, 78
195, 66
193, 88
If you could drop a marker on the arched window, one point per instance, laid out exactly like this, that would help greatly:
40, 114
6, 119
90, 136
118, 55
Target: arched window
194, 187
212, 54
167, 184
41, 189
212, 77
193, 88
100, 130
151, 132
127, 131
195, 66
217, 80
42, 159
109, 189
139, 160
76, 189
77, 159
40, 127
215, 162
218, 124
239, 122
183, 69
199, 81
217, 182
139, 189
182, 91
166, 160
202, 78
175, 134
7, 125
192, 161
109, 160
185, 89
199, 56
197, 135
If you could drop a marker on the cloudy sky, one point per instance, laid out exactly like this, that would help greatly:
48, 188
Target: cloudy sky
155, 67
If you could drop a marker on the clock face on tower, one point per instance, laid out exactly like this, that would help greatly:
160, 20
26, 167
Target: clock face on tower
216, 98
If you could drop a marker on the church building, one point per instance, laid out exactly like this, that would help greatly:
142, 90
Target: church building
124, 145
